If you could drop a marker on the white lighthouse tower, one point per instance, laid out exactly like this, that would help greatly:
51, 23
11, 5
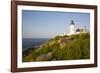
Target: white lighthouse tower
72, 28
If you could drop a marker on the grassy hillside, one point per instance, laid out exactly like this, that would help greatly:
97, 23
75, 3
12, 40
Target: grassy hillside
61, 48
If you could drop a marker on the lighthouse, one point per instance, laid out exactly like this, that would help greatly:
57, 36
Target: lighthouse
72, 27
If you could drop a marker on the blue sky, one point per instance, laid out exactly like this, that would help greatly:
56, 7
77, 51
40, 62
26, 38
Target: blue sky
44, 24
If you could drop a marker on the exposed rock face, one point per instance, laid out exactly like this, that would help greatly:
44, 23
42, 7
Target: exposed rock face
63, 41
44, 57
41, 57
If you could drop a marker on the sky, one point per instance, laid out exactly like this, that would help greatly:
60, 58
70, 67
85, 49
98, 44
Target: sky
48, 24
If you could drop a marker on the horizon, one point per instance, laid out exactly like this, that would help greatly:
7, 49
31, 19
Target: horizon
36, 38
48, 24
